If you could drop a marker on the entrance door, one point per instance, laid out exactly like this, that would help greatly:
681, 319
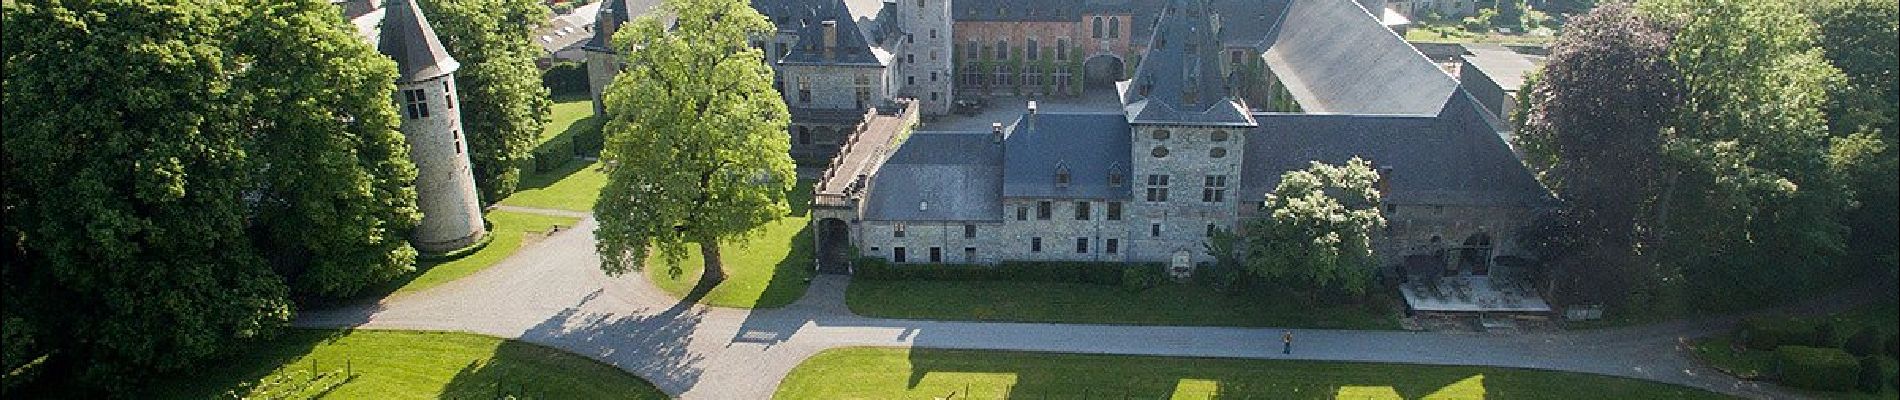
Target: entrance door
834, 238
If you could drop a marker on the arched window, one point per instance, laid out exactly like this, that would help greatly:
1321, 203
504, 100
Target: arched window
1033, 50
1162, 134
1114, 28
1098, 28
1217, 152
1062, 49
1002, 50
1218, 136
1160, 151
1062, 176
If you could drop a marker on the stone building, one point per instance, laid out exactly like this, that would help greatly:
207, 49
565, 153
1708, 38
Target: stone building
1186, 156
426, 102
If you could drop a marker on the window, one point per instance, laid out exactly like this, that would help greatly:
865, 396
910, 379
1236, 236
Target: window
804, 135
1239, 57
1217, 152
1154, 230
1035, 245
935, 95
933, 78
933, 33
1214, 189
1062, 177
1160, 151
1096, 32
1210, 230
1022, 213
1002, 50
910, 58
416, 103
910, 80
897, 230
780, 50
1391, 209
897, 254
1081, 245
804, 89
1157, 188
1111, 246
1114, 211
1162, 134
969, 231
1081, 211
1114, 27
863, 97
458, 140
1062, 49
1033, 51
933, 55
920, 3
1115, 178
936, 254
969, 254
1218, 136
1043, 210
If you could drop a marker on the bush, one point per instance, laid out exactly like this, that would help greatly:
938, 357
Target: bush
1142, 276
566, 78
1893, 346
1098, 273
1871, 374
1770, 332
1864, 343
588, 140
1815, 368
553, 154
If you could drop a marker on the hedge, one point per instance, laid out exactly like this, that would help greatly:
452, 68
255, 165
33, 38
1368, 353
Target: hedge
552, 154
1099, 273
1872, 375
1816, 368
566, 78
1771, 332
1863, 343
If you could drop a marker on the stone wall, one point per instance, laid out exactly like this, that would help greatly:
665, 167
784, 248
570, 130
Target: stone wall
1189, 156
926, 54
835, 86
445, 184
1425, 229
601, 68
976, 63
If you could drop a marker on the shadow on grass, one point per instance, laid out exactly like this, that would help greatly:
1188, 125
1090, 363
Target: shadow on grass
652, 346
249, 362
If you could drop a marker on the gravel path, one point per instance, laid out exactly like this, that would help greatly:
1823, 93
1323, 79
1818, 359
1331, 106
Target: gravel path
552, 293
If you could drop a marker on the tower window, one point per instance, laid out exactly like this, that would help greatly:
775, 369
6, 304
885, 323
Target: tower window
416, 103
1214, 189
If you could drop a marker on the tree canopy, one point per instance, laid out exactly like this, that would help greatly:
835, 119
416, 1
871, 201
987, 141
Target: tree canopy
697, 151
177, 168
504, 106
1316, 227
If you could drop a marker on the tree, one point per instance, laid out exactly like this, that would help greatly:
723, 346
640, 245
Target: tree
126, 182
1857, 36
1592, 129
504, 106
1317, 228
696, 147
1748, 184
335, 196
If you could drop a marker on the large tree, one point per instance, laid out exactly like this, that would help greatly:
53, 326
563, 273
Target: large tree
1592, 129
163, 156
696, 150
1858, 37
504, 106
1315, 228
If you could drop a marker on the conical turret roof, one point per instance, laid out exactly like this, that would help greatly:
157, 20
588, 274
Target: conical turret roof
408, 38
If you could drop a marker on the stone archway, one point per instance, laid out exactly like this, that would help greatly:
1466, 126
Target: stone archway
1102, 70
834, 244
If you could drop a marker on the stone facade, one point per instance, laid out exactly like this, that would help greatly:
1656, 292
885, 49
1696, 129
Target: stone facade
927, 51
602, 65
445, 184
1195, 174
1057, 65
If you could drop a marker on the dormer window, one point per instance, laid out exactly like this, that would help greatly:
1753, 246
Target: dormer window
1115, 175
1062, 177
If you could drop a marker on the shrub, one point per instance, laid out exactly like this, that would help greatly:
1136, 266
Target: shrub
1815, 368
1864, 343
553, 154
1871, 374
1141, 276
566, 78
1098, 273
1825, 333
1770, 332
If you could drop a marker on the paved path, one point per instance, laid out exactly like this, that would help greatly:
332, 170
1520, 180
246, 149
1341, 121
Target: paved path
552, 293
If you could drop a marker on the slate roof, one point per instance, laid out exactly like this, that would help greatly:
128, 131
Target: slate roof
1180, 79
1335, 57
617, 12
1505, 67
805, 18
1091, 146
1456, 158
407, 38
939, 176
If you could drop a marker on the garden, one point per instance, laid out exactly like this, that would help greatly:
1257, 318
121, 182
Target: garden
1843, 355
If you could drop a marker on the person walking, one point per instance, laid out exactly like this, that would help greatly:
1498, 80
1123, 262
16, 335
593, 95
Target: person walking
1286, 337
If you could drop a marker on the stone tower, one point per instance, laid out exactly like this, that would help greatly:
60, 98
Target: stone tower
1189, 137
928, 41
602, 61
432, 122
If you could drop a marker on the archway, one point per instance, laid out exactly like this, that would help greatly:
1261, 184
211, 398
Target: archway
1475, 255
1102, 70
834, 241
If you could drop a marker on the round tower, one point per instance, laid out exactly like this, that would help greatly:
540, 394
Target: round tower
432, 122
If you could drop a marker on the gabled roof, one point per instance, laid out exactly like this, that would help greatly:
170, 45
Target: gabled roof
408, 38
806, 19
1456, 158
1335, 57
613, 15
939, 176
1089, 146
1181, 78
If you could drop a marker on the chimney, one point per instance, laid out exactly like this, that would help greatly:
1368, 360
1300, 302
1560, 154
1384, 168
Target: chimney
606, 23
1385, 182
996, 132
831, 37
1032, 115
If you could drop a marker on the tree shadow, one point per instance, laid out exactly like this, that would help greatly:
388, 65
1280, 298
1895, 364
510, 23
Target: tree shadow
1086, 376
248, 363
653, 346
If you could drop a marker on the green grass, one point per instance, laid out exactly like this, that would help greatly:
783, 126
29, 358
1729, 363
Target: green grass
766, 270
884, 373
1718, 351
574, 185
1453, 33
1178, 304
511, 229
565, 113
406, 365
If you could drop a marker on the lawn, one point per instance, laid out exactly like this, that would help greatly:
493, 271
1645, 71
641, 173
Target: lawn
767, 270
511, 230
886, 373
1452, 33
574, 185
403, 365
1177, 304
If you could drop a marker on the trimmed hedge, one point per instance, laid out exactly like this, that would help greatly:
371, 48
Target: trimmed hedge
566, 78
1099, 273
1816, 368
1771, 332
553, 154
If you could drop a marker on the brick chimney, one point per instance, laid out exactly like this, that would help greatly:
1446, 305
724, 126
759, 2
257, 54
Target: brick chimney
831, 38
996, 132
1032, 115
